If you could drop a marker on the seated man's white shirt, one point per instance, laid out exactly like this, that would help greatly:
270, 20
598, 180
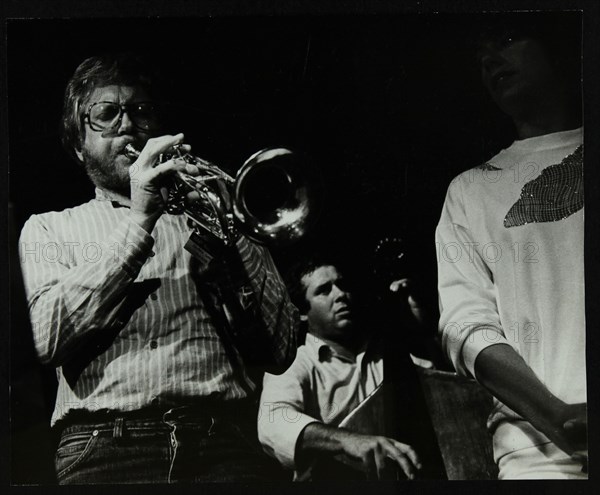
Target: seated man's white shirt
324, 384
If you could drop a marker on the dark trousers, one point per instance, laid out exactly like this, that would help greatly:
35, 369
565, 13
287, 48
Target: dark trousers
177, 446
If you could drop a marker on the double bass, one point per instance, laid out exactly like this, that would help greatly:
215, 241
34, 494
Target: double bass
397, 407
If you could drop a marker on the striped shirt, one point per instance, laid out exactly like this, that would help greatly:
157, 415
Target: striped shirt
126, 317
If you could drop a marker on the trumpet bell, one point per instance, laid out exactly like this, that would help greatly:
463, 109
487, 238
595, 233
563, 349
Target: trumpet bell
277, 196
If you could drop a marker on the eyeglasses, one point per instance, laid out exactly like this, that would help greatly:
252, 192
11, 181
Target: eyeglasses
104, 115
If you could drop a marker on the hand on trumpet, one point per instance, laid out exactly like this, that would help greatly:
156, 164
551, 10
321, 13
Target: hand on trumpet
149, 178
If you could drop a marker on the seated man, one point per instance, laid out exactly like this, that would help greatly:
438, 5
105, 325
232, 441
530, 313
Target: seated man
338, 367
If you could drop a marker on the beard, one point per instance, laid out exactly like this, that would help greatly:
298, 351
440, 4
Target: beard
106, 174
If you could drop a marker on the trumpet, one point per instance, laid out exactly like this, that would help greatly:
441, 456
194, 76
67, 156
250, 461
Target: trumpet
273, 199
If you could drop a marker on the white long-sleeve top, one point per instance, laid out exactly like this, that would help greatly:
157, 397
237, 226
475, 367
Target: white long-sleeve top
510, 270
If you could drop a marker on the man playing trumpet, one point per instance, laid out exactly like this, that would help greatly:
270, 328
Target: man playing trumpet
153, 383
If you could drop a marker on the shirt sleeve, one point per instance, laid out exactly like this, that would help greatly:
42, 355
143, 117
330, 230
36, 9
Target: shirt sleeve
266, 299
469, 317
69, 301
282, 415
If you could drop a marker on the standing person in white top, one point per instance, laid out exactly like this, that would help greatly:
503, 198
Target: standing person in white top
337, 368
510, 255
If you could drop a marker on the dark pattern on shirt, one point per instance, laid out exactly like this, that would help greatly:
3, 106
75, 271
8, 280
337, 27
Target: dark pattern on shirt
555, 195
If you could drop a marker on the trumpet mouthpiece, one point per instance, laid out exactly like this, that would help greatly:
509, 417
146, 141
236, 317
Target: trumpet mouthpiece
131, 151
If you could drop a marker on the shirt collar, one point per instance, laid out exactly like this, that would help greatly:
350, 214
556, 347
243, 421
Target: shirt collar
116, 200
325, 349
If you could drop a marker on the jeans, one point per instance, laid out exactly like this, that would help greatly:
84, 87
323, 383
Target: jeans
177, 448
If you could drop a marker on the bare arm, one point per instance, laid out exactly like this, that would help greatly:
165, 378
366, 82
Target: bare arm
366, 452
501, 370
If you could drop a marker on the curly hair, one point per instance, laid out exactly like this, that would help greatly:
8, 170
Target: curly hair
125, 69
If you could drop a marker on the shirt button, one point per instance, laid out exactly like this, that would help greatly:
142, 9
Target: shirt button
153, 296
153, 344
152, 253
